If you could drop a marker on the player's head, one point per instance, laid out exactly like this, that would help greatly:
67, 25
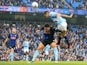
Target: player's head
47, 27
46, 14
26, 37
14, 30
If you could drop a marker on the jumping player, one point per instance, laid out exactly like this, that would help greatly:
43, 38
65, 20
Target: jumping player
61, 24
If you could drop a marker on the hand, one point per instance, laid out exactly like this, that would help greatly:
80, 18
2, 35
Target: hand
4, 45
71, 15
72, 11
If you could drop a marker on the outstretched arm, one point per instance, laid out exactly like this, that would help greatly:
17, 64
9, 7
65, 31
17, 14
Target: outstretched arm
64, 15
4, 43
67, 16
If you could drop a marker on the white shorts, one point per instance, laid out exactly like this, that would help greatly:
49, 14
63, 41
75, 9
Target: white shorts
26, 50
47, 52
62, 26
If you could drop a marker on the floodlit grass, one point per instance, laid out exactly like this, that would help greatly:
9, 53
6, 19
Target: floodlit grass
43, 63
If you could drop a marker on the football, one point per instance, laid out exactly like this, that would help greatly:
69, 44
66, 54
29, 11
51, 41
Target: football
34, 4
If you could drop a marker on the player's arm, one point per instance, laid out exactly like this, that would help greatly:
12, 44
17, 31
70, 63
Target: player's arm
67, 16
72, 11
64, 15
4, 43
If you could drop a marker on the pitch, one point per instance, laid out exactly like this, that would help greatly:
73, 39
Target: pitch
43, 63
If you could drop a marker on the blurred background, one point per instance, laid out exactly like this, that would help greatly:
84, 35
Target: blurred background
20, 13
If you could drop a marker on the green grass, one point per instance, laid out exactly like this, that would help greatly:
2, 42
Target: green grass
43, 63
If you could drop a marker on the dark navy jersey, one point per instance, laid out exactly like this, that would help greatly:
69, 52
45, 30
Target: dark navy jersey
13, 38
50, 35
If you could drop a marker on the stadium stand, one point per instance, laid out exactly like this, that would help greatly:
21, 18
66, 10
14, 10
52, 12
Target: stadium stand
75, 4
77, 37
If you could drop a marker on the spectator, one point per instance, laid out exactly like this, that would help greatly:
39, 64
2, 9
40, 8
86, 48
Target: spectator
77, 37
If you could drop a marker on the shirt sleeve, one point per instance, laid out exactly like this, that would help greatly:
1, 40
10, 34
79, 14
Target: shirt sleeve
52, 14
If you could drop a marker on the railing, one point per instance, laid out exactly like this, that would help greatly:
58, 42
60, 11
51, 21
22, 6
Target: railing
29, 9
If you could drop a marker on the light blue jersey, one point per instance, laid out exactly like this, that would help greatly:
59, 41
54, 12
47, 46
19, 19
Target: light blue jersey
54, 18
26, 44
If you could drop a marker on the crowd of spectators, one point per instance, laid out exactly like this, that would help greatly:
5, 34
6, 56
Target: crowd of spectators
75, 4
77, 36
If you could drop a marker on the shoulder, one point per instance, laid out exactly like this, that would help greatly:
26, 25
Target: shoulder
52, 13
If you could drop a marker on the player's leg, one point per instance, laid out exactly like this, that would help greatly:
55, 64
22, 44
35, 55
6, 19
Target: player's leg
59, 33
11, 54
54, 45
27, 56
59, 39
25, 53
63, 28
47, 48
64, 34
7, 55
7, 49
67, 41
36, 53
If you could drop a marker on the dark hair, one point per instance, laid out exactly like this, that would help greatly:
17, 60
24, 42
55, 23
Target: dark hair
46, 12
47, 25
27, 37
